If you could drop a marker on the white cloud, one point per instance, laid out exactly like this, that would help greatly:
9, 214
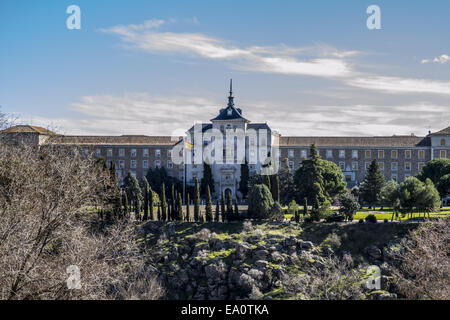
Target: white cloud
441, 59
400, 85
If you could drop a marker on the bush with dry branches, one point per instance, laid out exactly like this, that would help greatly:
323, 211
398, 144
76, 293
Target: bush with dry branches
423, 270
46, 225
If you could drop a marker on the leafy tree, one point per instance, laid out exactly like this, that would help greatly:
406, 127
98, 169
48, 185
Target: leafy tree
196, 202
206, 181
435, 170
287, 185
243, 182
372, 184
443, 186
429, 199
293, 209
145, 190
208, 207
390, 197
125, 205
349, 205
410, 193
217, 216
275, 187
309, 180
333, 180
260, 202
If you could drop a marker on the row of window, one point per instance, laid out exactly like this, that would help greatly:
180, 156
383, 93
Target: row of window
354, 167
133, 152
367, 154
145, 164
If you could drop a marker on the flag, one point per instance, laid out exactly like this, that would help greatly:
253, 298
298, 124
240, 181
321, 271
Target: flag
188, 145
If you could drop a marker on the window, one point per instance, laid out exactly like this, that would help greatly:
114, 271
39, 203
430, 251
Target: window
158, 153
407, 154
329, 154
133, 164
291, 153
121, 164
381, 165
342, 165
341, 153
394, 154
368, 154
443, 154
169, 164
355, 154
229, 112
98, 152
169, 153
442, 142
145, 164
229, 126
354, 166
303, 154
145, 153
109, 163
121, 152
421, 154
407, 166
157, 163
109, 152
394, 166
380, 154
394, 177
421, 165
133, 153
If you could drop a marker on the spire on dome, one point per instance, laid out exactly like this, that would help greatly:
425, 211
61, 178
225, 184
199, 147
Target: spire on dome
230, 98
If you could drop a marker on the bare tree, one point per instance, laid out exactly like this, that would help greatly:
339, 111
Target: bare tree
47, 224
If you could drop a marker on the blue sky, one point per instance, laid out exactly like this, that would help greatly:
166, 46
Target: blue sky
152, 67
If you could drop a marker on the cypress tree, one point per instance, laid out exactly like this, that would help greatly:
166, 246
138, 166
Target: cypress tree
229, 202
243, 183
207, 180
209, 209
275, 187
179, 208
159, 212
287, 185
305, 207
145, 187
196, 202
125, 205
216, 218
188, 211
372, 184
150, 203
163, 203
266, 181
222, 205
236, 211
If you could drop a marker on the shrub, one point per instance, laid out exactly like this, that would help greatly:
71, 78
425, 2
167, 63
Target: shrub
371, 218
361, 221
276, 212
260, 202
348, 205
386, 221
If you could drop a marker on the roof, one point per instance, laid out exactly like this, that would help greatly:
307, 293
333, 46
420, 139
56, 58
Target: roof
114, 140
445, 131
258, 126
28, 129
392, 141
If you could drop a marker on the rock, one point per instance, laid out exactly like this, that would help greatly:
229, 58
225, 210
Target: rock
200, 247
307, 245
216, 244
261, 265
289, 242
246, 282
277, 257
256, 274
374, 252
216, 271
241, 250
261, 254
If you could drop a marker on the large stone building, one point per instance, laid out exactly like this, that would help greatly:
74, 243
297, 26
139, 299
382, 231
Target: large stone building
398, 156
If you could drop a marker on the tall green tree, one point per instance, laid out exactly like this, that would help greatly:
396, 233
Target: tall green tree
206, 181
159, 212
435, 170
411, 191
390, 197
197, 202
236, 215
145, 190
179, 207
243, 182
116, 199
134, 192
429, 199
372, 184
208, 208
229, 204
217, 215
126, 206
260, 202
275, 187
333, 180
349, 205
188, 205
287, 185
222, 206
163, 203
150, 202
309, 180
